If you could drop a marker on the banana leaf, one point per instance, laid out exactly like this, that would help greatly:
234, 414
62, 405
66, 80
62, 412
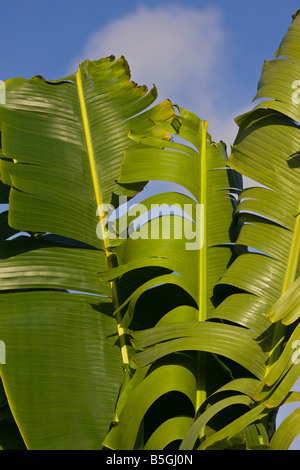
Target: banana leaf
180, 332
266, 150
62, 146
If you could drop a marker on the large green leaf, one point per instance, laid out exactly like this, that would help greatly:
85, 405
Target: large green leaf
180, 329
62, 146
58, 347
267, 150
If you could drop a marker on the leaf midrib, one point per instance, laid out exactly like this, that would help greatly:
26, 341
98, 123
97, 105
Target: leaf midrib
201, 356
97, 191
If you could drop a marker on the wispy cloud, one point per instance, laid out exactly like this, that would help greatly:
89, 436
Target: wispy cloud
185, 52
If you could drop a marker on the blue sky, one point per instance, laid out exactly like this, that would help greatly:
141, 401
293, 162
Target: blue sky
216, 47
204, 55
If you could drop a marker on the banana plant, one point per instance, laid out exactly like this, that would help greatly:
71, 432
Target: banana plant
207, 293
62, 144
257, 286
180, 336
188, 352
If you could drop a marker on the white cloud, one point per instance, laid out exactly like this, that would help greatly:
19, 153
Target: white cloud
185, 51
